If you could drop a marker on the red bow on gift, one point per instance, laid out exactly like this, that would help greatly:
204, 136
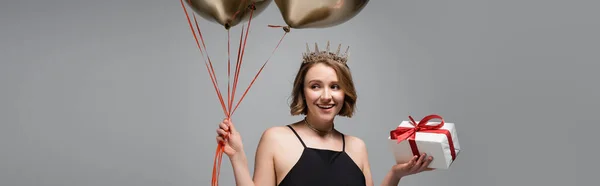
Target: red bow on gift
403, 133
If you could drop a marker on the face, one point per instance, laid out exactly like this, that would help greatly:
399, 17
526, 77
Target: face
324, 97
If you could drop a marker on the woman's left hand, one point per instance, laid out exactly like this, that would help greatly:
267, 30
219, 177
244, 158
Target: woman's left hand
416, 165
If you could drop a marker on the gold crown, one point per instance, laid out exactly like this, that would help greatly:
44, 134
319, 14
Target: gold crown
312, 56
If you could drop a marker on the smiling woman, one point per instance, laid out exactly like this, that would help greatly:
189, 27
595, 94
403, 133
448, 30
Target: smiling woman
312, 151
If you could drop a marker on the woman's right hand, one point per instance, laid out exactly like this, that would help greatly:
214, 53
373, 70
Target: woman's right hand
228, 136
416, 165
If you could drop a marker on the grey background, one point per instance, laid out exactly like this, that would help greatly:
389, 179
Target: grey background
110, 92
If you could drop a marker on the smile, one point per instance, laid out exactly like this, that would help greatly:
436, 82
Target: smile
326, 106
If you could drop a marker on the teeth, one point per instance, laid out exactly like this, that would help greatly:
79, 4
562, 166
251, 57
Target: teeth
325, 106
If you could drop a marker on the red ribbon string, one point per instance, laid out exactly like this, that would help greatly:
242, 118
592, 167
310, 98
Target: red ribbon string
209, 63
231, 89
259, 71
228, 68
409, 133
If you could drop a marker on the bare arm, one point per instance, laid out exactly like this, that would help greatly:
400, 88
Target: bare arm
264, 167
392, 178
358, 152
264, 172
240, 169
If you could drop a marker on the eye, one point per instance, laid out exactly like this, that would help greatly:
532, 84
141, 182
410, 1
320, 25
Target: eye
314, 86
335, 87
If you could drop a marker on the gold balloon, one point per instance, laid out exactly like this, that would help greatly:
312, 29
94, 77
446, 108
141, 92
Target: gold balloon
318, 13
227, 12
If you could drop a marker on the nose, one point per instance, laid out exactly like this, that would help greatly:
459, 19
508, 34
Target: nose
326, 95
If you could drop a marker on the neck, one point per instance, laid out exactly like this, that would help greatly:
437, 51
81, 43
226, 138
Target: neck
321, 128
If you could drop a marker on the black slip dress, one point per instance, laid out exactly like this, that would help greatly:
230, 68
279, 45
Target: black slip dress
321, 167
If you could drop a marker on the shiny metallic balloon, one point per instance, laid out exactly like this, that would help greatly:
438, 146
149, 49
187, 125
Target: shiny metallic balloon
227, 12
318, 13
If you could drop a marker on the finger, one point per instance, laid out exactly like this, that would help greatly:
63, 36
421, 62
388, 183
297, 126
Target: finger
418, 163
426, 163
410, 164
414, 161
222, 132
220, 139
224, 126
231, 127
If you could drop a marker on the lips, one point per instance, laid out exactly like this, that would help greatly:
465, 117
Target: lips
328, 106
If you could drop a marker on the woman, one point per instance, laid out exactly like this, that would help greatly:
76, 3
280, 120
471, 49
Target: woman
311, 151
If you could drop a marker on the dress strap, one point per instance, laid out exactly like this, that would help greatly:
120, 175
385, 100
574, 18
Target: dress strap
289, 126
343, 143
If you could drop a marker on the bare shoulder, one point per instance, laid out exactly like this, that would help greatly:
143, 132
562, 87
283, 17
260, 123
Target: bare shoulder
276, 136
275, 133
267, 153
271, 140
355, 144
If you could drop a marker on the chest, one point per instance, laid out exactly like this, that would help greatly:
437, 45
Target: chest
318, 167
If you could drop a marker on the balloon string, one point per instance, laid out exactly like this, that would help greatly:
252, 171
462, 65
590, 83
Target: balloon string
237, 66
259, 71
241, 49
241, 57
285, 28
228, 69
238, 11
216, 163
211, 73
216, 82
230, 93
220, 146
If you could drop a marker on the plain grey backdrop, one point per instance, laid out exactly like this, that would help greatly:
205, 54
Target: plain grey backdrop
97, 93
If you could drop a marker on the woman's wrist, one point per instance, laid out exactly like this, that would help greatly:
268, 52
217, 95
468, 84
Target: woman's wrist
391, 179
395, 175
238, 158
240, 169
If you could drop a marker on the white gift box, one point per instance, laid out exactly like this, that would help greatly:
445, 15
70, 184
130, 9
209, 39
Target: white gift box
433, 144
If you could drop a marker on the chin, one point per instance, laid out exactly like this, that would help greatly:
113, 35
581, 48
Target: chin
327, 116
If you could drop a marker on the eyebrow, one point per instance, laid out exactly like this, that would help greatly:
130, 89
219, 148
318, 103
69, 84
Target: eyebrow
319, 81
314, 80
